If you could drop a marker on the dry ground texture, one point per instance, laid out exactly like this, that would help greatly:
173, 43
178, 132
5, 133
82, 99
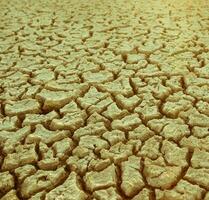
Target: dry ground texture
104, 100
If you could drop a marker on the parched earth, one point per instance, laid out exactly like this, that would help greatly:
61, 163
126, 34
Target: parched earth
104, 100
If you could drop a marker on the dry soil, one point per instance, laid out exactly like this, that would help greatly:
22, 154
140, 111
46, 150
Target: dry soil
104, 100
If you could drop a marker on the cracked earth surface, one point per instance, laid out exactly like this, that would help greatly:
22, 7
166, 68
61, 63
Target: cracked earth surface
104, 100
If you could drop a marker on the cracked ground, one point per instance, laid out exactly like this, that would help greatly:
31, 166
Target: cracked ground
104, 100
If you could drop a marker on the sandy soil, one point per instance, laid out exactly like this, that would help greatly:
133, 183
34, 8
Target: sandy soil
104, 100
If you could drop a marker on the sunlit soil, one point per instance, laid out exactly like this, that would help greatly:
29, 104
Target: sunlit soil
104, 100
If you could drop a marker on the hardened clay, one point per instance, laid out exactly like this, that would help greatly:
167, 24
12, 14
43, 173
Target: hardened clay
104, 100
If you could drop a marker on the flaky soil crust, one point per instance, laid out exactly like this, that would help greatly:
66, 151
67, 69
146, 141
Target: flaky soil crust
104, 100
